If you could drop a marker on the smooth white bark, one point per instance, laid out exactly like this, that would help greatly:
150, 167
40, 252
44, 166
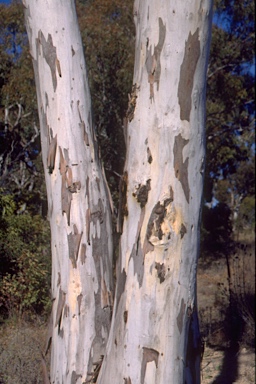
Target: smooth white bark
78, 205
154, 336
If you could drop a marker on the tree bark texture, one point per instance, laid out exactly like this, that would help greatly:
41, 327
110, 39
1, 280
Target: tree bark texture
78, 201
154, 337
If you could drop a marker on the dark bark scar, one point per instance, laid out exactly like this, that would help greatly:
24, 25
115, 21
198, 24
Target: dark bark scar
50, 55
180, 167
180, 316
123, 210
187, 71
153, 63
74, 240
60, 306
160, 271
51, 155
141, 193
149, 354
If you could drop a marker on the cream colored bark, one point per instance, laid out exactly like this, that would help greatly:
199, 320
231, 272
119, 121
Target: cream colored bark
78, 205
154, 336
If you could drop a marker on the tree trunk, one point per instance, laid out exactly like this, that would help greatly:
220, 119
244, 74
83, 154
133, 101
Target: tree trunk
78, 202
154, 336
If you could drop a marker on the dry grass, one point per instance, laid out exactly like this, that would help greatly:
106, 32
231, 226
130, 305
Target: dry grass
224, 361
21, 344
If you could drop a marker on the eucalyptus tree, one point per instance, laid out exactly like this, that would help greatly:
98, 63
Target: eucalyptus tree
154, 335
78, 203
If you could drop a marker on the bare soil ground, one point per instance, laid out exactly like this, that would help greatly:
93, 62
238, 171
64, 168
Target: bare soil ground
228, 358
222, 367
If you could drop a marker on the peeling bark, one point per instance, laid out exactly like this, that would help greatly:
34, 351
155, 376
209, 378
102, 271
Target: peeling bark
156, 276
154, 333
78, 206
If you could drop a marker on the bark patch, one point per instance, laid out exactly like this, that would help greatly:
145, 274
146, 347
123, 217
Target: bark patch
160, 271
155, 232
149, 354
82, 125
149, 155
74, 377
74, 240
60, 306
83, 253
120, 287
187, 71
180, 167
51, 155
127, 380
153, 63
105, 295
125, 316
141, 193
183, 230
79, 302
123, 210
181, 315
66, 195
50, 55
137, 253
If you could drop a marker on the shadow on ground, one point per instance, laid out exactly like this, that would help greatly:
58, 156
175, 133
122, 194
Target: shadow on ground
235, 326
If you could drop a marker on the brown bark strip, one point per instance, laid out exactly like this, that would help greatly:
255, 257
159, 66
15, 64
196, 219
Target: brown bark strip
123, 210
49, 53
180, 167
74, 377
153, 63
149, 354
83, 253
183, 230
66, 195
160, 271
105, 302
79, 302
156, 219
51, 155
87, 221
187, 71
74, 240
141, 193
60, 306
180, 316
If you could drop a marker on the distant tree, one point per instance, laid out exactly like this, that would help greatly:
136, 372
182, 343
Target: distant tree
20, 163
231, 105
108, 35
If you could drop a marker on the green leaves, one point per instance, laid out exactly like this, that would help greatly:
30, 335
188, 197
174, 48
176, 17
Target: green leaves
107, 31
25, 260
26, 289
